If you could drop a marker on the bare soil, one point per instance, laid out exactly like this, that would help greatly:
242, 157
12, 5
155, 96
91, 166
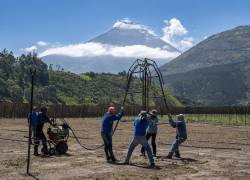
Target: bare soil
211, 152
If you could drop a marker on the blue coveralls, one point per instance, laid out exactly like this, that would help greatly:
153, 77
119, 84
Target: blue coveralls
33, 120
106, 130
181, 134
41, 120
140, 127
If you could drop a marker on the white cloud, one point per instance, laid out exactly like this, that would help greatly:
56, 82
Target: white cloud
186, 43
77, 50
172, 28
128, 24
30, 49
98, 49
41, 43
172, 33
142, 51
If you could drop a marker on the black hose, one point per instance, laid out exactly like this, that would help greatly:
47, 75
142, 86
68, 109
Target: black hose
78, 139
83, 146
16, 140
205, 147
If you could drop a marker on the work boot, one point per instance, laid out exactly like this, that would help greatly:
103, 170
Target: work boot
125, 163
152, 165
113, 160
45, 150
177, 154
170, 155
143, 154
36, 150
108, 159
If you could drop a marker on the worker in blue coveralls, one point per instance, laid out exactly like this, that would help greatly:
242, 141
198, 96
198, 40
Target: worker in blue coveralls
140, 126
106, 131
181, 135
41, 120
32, 118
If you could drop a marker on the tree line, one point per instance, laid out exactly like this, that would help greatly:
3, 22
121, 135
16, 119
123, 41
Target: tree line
55, 86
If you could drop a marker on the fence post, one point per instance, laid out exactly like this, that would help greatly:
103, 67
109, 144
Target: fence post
31, 106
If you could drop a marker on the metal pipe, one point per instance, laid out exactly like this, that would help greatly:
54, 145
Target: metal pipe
31, 107
161, 85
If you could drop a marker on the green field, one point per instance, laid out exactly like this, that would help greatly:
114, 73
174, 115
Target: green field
233, 119
219, 118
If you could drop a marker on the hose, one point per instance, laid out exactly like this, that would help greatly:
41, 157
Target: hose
16, 140
83, 146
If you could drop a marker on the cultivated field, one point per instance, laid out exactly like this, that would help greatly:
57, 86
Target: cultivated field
225, 154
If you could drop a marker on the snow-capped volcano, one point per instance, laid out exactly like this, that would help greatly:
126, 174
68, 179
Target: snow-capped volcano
113, 51
127, 33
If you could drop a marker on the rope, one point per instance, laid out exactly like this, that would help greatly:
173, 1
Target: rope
162, 123
15, 130
17, 140
206, 147
193, 146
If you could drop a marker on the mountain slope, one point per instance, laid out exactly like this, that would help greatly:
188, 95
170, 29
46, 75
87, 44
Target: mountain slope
223, 48
214, 72
90, 64
113, 51
118, 36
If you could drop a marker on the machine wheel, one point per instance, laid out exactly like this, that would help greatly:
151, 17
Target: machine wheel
62, 147
52, 151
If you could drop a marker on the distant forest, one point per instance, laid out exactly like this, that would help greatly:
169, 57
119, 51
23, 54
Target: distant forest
59, 87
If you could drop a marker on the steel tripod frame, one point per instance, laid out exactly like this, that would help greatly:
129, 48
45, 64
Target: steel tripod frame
146, 70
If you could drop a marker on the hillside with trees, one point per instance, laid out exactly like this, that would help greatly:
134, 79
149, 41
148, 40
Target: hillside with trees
214, 72
59, 87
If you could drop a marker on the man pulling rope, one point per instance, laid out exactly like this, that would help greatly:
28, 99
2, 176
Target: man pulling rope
106, 131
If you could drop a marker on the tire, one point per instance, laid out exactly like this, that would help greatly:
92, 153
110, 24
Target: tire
62, 147
52, 151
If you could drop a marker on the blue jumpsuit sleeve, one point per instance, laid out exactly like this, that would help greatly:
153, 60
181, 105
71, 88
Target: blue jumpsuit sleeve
118, 116
172, 122
135, 121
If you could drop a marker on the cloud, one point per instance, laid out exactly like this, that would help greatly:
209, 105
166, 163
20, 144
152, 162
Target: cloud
186, 43
30, 49
128, 24
41, 43
172, 33
92, 49
172, 28
142, 51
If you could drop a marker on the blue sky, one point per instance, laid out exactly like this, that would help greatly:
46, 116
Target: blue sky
24, 22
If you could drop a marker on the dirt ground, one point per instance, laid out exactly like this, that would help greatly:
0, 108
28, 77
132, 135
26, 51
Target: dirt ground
211, 152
